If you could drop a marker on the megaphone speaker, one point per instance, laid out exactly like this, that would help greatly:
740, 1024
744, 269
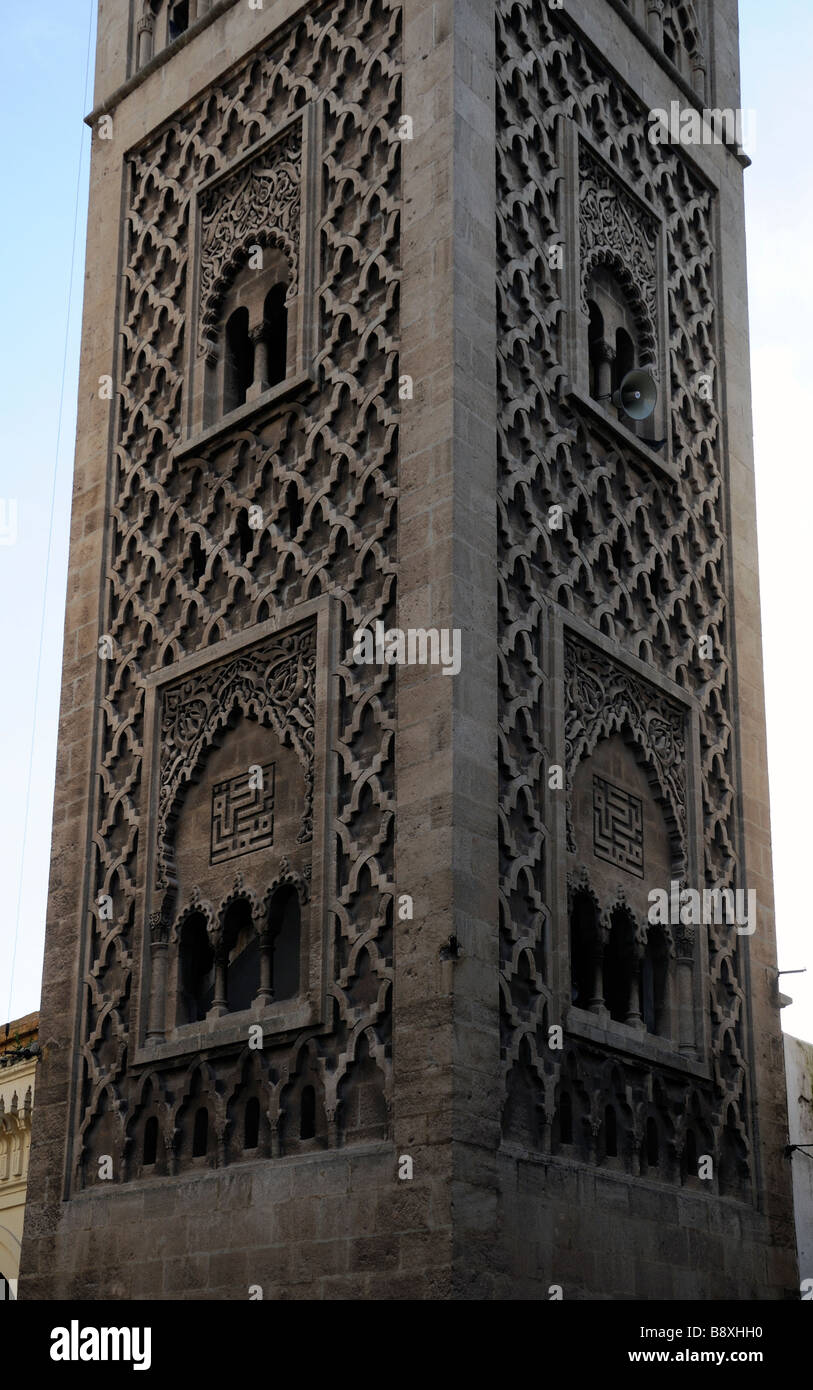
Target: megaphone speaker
637, 395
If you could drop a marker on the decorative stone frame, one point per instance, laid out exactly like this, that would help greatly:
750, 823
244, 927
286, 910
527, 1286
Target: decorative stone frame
677, 786
157, 923
231, 212
607, 223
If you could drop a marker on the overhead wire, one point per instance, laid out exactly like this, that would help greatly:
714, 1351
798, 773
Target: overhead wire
32, 748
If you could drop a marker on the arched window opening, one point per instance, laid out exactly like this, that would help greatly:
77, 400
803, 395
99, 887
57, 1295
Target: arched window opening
196, 971
239, 363
200, 1135
616, 976
246, 355
284, 921
595, 341
198, 556
585, 957
651, 1145
612, 333
295, 508
150, 1150
580, 522
610, 1132
690, 1154
565, 1118
275, 315
178, 19
307, 1113
732, 1167
619, 975
245, 535
242, 950
251, 1124
654, 982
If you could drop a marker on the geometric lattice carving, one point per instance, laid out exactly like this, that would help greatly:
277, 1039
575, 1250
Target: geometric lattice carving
242, 815
185, 570
640, 558
618, 826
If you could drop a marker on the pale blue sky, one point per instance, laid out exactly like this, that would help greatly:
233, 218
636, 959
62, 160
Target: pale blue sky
43, 99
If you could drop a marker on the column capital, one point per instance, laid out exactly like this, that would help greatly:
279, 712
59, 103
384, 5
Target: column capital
258, 332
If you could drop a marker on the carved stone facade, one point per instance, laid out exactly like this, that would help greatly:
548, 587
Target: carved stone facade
643, 560
334, 914
188, 574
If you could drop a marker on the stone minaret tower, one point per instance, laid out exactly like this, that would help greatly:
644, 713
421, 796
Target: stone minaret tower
353, 984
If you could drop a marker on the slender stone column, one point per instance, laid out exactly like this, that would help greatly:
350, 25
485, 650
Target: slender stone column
654, 19
146, 24
685, 991
259, 337
265, 993
596, 1004
159, 942
220, 1003
633, 1017
605, 353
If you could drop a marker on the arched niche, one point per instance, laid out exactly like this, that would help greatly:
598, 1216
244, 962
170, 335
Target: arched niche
620, 822
241, 812
250, 343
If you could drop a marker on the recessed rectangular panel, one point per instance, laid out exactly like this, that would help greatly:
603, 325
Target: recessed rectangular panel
243, 814
618, 826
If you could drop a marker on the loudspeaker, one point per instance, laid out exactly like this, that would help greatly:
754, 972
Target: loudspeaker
637, 395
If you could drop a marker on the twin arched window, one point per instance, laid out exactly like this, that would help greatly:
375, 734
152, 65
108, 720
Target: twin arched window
255, 354
248, 353
160, 24
230, 970
616, 974
674, 27
178, 19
